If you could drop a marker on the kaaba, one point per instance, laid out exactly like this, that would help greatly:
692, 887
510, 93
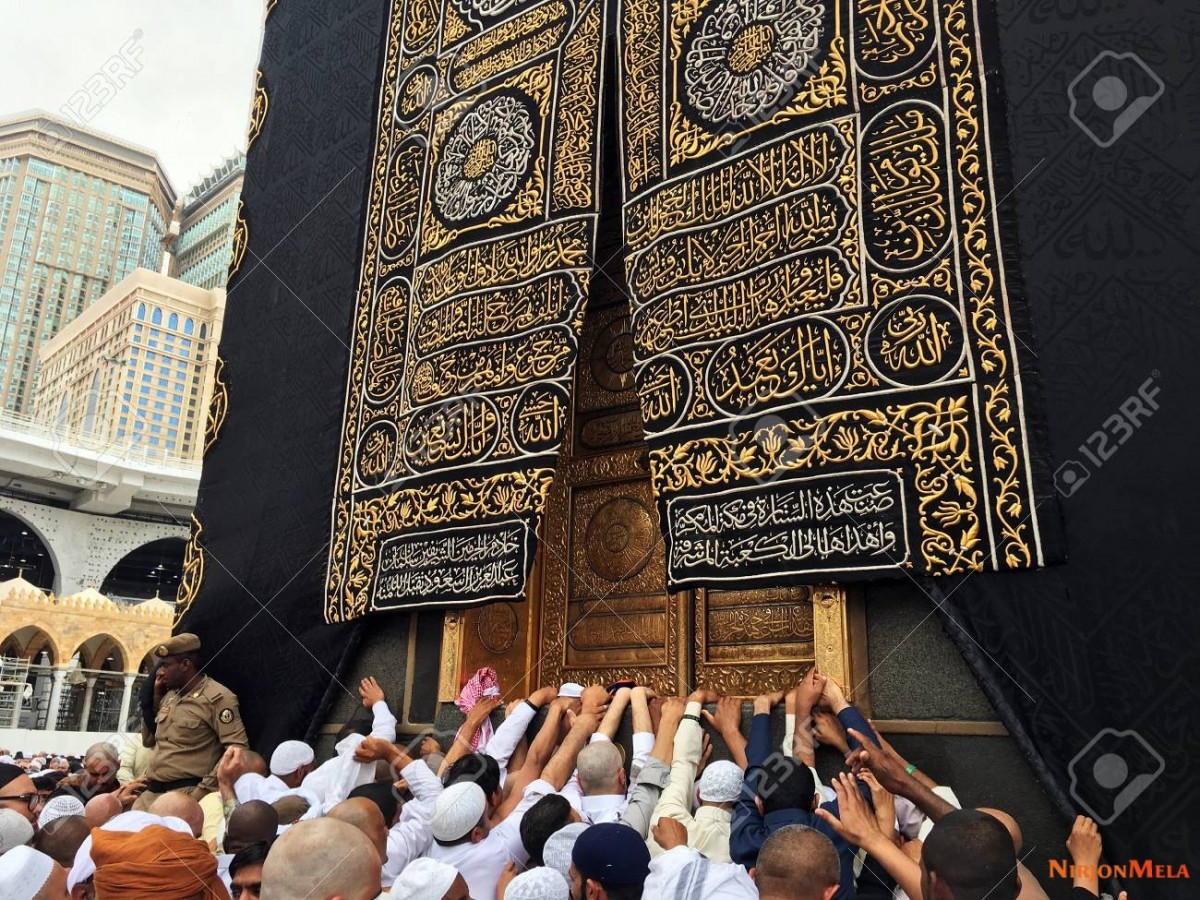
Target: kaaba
696, 342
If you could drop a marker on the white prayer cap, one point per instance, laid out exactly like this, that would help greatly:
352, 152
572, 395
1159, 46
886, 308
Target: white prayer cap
457, 810
23, 873
57, 807
721, 782
425, 879
6, 759
15, 830
538, 884
289, 756
571, 689
557, 852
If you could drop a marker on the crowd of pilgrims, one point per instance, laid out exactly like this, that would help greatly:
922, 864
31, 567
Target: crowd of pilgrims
544, 805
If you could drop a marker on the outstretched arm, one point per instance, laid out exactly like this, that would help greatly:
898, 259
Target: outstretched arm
612, 718
893, 774
466, 733
562, 763
383, 724
857, 824
535, 758
727, 722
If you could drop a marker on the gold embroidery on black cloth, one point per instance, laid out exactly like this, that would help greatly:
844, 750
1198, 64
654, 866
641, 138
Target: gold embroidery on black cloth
193, 572
476, 262
258, 110
824, 355
218, 406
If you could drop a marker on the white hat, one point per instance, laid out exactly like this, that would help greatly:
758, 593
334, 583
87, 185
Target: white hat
721, 782
289, 756
15, 830
538, 884
57, 807
457, 810
557, 852
23, 873
424, 879
571, 689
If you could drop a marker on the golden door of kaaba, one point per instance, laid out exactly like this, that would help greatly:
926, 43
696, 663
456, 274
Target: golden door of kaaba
597, 608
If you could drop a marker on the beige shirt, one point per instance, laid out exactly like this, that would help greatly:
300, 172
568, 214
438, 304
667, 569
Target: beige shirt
708, 830
192, 730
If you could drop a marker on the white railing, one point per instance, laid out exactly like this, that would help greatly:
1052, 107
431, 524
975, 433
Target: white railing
69, 440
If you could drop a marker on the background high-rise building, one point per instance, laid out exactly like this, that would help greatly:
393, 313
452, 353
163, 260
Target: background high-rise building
205, 244
79, 211
136, 369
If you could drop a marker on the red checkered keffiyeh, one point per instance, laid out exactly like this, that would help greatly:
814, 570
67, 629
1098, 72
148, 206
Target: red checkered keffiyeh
483, 683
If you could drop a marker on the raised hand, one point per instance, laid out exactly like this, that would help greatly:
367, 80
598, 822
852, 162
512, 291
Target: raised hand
810, 689
481, 710
128, 792
231, 767
886, 764
594, 700
833, 696
728, 717
370, 691
673, 709
1084, 845
855, 820
829, 731
669, 833
543, 695
703, 695
764, 702
373, 749
884, 802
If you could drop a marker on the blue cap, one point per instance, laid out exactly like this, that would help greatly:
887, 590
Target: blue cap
612, 853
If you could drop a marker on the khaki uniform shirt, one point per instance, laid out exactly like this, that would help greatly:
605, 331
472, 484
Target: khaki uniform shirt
192, 731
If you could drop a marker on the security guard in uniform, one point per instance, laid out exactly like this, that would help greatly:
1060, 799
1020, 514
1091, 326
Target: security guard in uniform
197, 719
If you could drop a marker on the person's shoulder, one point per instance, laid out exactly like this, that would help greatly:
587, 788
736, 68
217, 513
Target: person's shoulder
214, 690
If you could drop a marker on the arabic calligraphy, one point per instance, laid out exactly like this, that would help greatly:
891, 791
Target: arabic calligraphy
907, 214
830, 523
453, 564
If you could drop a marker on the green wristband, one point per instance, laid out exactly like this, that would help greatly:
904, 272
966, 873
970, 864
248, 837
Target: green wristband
909, 769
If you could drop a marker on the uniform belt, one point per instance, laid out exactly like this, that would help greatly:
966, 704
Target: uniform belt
162, 787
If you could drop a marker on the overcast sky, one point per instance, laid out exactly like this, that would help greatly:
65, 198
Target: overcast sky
193, 64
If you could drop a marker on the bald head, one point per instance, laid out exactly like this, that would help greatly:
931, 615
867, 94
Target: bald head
290, 808
100, 809
182, 806
256, 763
1009, 823
61, 837
366, 816
600, 768
253, 821
797, 863
321, 859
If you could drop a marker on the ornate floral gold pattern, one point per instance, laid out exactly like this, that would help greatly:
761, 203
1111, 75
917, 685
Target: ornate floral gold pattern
241, 237
218, 406
258, 110
193, 572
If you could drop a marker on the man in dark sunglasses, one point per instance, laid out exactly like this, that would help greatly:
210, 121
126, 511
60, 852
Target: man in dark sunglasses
19, 793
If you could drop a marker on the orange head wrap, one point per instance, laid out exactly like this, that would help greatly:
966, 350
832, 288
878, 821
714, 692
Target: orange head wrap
154, 862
